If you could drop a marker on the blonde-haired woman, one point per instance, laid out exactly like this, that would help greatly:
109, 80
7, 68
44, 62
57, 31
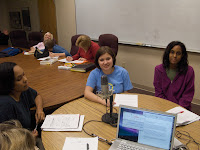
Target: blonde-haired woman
87, 49
14, 137
41, 45
56, 51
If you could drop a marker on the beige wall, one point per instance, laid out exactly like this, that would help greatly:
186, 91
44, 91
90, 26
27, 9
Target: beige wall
139, 61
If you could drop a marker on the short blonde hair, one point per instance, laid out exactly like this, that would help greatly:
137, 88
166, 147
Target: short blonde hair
50, 35
83, 41
15, 138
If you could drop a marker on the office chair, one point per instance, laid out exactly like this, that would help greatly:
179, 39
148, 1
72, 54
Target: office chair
18, 38
74, 48
34, 38
109, 40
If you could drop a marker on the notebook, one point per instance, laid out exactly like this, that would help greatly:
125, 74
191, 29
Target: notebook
83, 67
148, 129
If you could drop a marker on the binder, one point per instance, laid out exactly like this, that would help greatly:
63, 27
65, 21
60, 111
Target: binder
83, 67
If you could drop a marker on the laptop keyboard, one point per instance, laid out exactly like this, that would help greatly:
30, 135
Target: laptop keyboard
125, 146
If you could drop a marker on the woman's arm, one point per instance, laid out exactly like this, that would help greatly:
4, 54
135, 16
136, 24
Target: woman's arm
56, 54
39, 114
158, 84
93, 97
187, 96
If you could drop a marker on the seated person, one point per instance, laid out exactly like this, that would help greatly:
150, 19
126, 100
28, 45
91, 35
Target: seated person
118, 77
54, 51
4, 36
16, 97
14, 137
174, 78
87, 49
56, 48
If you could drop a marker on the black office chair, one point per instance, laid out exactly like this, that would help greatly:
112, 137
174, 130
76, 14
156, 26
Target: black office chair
18, 38
34, 38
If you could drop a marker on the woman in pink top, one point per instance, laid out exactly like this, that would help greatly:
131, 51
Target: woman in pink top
87, 49
40, 45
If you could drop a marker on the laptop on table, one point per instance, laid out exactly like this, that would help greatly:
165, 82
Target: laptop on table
144, 128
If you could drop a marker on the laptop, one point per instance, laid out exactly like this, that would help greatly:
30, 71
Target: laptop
144, 128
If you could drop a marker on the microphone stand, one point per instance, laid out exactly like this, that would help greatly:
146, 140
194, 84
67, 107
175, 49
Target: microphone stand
110, 118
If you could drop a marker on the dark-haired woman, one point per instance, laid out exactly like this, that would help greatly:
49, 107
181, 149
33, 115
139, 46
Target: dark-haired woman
16, 97
118, 77
174, 78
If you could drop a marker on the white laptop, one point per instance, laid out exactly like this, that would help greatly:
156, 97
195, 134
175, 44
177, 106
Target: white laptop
144, 128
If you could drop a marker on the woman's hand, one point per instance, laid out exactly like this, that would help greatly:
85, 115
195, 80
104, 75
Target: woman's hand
32, 50
39, 116
82, 59
35, 133
52, 54
69, 58
108, 102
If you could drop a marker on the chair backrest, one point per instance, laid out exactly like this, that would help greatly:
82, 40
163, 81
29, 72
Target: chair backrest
109, 40
18, 38
34, 38
74, 48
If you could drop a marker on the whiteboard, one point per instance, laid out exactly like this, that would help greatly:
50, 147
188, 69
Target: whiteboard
142, 22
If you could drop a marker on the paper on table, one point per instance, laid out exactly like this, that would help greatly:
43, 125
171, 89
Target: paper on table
75, 61
61, 121
67, 129
48, 57
126, 99
80, 143
184, 116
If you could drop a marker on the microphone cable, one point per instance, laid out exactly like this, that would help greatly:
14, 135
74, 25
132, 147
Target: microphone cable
184, 135
94, 135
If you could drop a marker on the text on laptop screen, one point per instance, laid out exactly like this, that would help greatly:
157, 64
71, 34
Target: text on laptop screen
149, 128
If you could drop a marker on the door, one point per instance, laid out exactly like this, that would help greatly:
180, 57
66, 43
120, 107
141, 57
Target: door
47, 14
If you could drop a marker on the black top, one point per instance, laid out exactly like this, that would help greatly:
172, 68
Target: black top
11, 109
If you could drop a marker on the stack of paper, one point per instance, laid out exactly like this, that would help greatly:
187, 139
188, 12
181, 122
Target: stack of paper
184, 116
126, 99
48, 60
81, 143
74, 61
63, 122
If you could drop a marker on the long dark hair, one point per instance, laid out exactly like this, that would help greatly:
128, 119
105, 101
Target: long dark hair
102, 50
7, 77
183, 64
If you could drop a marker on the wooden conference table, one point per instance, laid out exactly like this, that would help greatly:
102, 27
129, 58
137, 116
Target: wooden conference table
55, 86
94, 111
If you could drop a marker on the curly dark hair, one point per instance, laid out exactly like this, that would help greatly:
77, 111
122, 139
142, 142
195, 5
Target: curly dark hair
7, 77
102, 50
183, 64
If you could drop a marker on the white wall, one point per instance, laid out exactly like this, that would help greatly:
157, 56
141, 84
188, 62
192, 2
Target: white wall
139, 61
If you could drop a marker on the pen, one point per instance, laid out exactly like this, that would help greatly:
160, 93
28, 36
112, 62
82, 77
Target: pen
180, 112
87, 146
36, 126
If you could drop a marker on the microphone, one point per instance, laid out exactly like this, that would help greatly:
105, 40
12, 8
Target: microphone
110, 118
104, 87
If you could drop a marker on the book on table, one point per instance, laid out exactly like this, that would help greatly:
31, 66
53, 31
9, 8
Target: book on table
83, 67
48, 61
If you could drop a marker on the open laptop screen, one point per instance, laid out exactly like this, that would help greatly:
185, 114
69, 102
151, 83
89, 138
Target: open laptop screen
146, 127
